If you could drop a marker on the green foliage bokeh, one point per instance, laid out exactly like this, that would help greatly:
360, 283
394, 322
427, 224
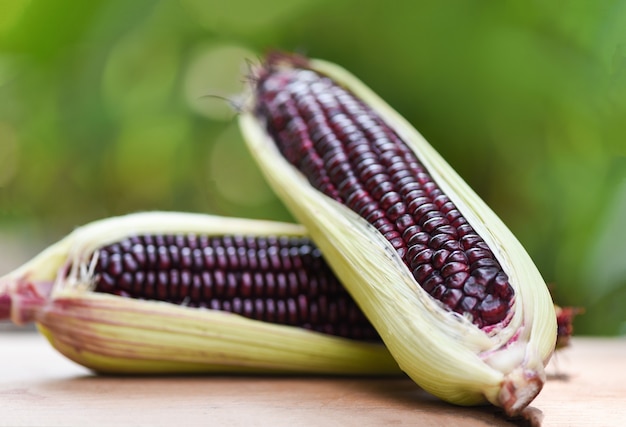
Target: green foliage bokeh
109, 107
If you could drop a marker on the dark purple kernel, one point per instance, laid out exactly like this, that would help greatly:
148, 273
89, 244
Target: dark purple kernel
451, 297
208, 286
423, 271
397, 242
358, 196
442, 202
446, 229
150, 285
501, 286
420, 238
428, 216
456, 280
231, 255
411, 231
451, 245
434, 280
126, 281
107, 282
439, 241
403, 222
174, 283
472, 288
457, 256
264, 264
383, 225
418, 208
129, 262
457, 222
270, 310
390, 200
137, 288
373, 177
393, 235
163, 258
380, 190
196, 289
116, 267
139, 254
151, 255
185, 283
407, 187
222, 258
492, 309
484, 263
219, 281
237, 306
292, 312
485, 275
103, 260
453, 267
469, 240
431, 188
174, 255
440, 257
161, 285
439, 291
424, 256
255, 308
396, 211
231, 285
468, 304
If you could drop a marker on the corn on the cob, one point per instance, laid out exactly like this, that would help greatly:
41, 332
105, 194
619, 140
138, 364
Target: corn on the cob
454, 296
171, 292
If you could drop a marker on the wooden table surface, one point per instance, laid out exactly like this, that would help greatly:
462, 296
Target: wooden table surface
39, 387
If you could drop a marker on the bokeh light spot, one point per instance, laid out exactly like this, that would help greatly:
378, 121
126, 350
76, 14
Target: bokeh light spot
11, 13
140, 73
146, 156
234, 174
215, 78
243, 16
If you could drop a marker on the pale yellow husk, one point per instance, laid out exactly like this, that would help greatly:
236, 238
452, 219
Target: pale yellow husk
441, 351
108, 333
120, 335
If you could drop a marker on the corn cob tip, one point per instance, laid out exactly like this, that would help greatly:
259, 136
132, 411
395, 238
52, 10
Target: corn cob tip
25, 290
21, 298
519, 388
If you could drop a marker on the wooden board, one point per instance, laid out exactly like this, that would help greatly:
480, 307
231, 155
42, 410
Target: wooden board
38, 386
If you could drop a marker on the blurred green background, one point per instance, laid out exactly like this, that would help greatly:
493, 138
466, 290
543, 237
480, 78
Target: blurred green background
109, 107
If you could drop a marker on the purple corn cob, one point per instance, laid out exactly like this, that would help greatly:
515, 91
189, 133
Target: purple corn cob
282, 280
347, 152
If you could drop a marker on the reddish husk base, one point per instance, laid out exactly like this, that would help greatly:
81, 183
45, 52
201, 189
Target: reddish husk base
22, 302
